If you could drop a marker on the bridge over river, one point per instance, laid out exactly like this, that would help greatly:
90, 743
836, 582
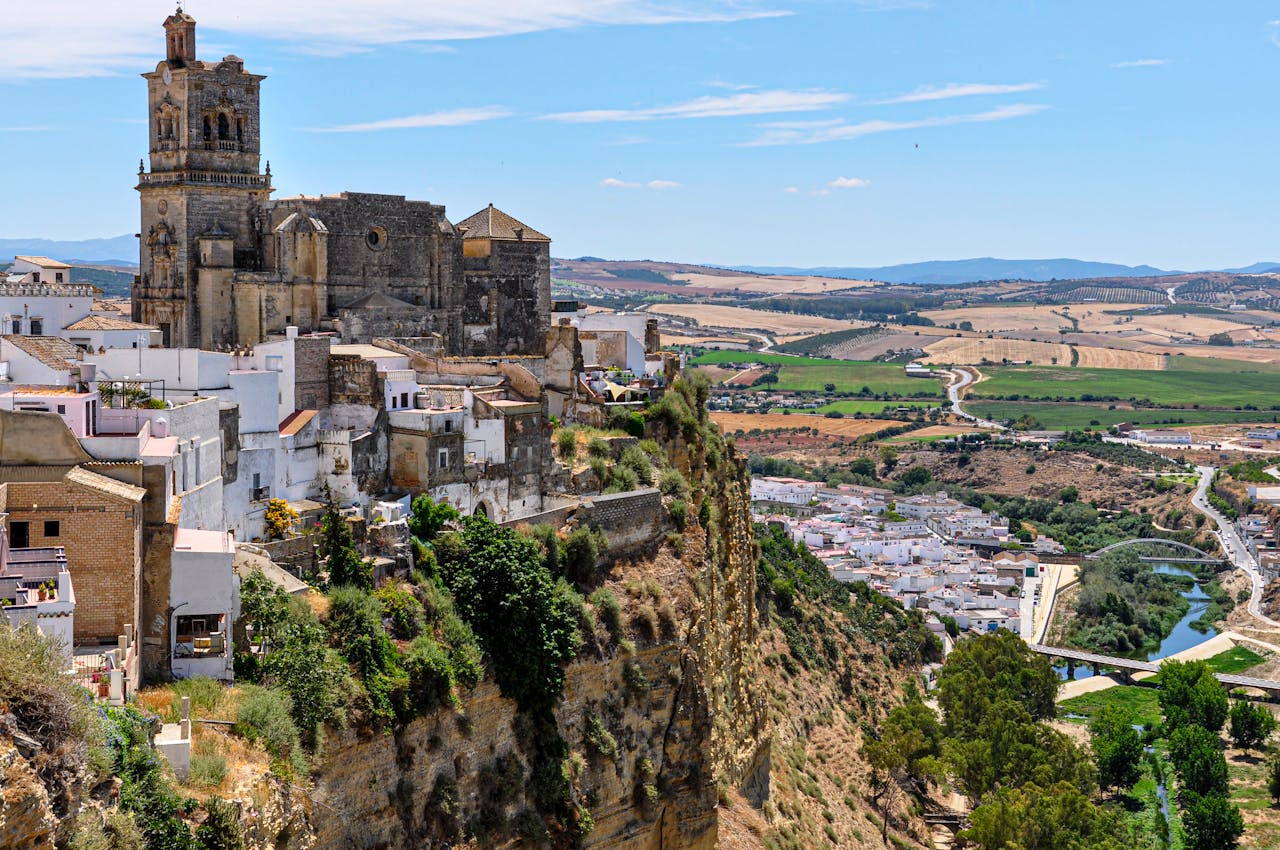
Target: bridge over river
1129, 666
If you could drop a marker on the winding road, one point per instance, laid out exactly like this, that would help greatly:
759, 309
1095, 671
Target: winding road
961, 379
1232, 545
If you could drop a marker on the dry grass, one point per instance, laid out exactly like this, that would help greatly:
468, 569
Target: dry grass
718, 316
730, 422
1039, 317
1247, 355
973, 350
1110, 358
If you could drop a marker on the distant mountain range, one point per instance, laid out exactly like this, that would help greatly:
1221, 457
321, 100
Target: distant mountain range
990, 268
111, 251
123, 251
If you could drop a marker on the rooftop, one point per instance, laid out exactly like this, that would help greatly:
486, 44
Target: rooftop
43, 262
198, 540
369, 352
108, 323
296, 421
493, 223
52, 351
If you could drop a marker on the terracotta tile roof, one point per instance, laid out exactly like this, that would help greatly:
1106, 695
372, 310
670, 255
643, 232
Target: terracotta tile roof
103, 484
43, 262
493, 223
108, 323
52, 351
296, 421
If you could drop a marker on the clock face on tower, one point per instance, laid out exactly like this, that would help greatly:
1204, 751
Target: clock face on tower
167, 77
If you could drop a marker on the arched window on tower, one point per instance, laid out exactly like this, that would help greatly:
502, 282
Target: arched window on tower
239, 129
208, 129
224, 127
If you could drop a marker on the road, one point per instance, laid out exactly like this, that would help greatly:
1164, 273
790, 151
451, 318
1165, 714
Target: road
1232, 545
961, 379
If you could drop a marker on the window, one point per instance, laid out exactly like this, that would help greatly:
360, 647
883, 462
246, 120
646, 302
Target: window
443, 459
208, 129
199, 636
404, 399
20, 535
35, 277
15, 325
165, 328
52, 528
62, 409
448, 426
37, 327
224, 128
57, 277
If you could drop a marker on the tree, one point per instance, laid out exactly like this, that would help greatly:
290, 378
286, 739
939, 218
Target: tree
1273, 778
1198, 760
1250, 724
1211, 822
1189, 694
991, 668
863, 466
889, 457
313, 675
1068, 494
1117, 748
1059, 817
427, 517
503, 590
280, 519
828, 388
338, 548
916, 476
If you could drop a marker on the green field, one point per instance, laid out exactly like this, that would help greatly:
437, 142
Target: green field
1068, 415
812, 374
1189, 381
849, 407
1141, 702
1237, 659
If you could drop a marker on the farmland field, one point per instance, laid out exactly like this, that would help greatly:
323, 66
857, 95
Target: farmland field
1187, 381
810, 374
973, 350
731, 422
1036, 317
852, 407
764, 321
1067, 415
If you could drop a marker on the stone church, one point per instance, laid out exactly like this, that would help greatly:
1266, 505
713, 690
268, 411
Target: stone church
223, 264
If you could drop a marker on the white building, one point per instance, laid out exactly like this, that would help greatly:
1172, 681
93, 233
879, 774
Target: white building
785, 491
204, 596
38, 298
97, 332
1164, 437
35, 586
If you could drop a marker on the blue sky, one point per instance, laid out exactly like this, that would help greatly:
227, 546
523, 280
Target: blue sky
769, 132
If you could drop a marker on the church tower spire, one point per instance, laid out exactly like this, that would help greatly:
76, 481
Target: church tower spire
180, 39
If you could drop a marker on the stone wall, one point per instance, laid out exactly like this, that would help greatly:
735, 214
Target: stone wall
627, 519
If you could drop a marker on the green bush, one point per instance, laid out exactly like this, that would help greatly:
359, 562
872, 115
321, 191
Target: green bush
679, 510
567, 443
634, 458
623, 480
265, 716
598, 447
645, 620
110, 830
582, 550
672, 483
606, 605
431, 676
313, 675
355, 624
429, 517
598, 737
221, 828
405, 612
635, 678
600, 468
207, 770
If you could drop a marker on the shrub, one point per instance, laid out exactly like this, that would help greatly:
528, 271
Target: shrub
430, 676
207, 770
338, 548
679, 510
598, 737
598, 447
635, 678
600, 468
667, 617
546, 534
403, 610
221, 829
623, 480
113, 829
582, 551
634, 459
428, 517
265, 716
280, 519
606, 605
567, 443
205, 695
314, 676
355, 624
672, 483
645, 620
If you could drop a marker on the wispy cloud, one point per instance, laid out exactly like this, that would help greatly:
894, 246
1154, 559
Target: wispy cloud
116, 37
950, 90
657, 185
1275, 31
791, 190
1142, 63
846, 132
849, 183
449, 118
748, 103
32, 129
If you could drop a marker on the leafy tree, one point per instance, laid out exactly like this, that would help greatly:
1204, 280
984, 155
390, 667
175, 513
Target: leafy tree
1211, 822
1198, 760
1273, 778
889, 457
338, 548
1251, 724
863, 466
1189, 694
1059, 817
280, 519
313, 675
916, 476
428, 517
1068, 494
910, 742
1117, 748
502, 588
990, 668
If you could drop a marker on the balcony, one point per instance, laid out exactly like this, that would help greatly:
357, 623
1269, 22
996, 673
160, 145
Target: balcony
205, 178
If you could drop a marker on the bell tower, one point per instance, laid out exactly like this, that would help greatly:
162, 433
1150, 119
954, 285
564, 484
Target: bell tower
205, 177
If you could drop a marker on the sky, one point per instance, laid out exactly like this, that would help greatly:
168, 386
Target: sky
760, 132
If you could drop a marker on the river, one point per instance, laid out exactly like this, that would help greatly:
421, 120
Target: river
1182, 637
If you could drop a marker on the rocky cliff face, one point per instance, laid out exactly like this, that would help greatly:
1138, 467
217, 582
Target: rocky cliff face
657, 725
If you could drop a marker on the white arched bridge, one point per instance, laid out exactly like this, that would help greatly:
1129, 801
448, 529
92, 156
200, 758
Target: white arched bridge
1128, 666
1185, 553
